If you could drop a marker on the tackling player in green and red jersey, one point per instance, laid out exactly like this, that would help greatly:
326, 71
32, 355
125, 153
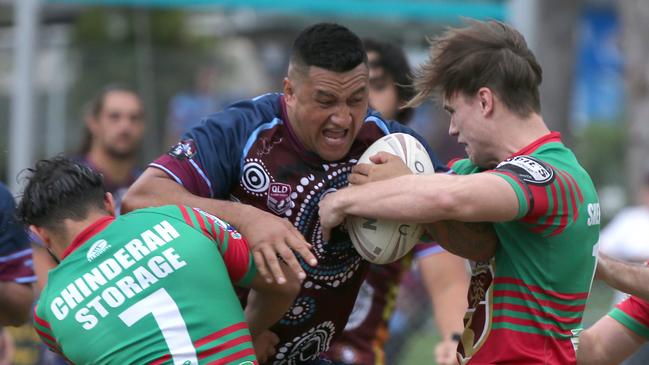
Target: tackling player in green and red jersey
526, 302
152, 286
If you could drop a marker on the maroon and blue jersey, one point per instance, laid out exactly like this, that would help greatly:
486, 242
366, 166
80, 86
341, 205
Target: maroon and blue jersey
249, 153
366, 333
15, 250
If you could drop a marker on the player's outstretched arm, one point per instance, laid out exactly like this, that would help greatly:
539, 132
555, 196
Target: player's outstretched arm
625, 277
15, 303
433, 198
607, 342
267, 302
446, 280
268, 235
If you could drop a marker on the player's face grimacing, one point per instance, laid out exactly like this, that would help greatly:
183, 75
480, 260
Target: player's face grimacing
470, 128
326, 109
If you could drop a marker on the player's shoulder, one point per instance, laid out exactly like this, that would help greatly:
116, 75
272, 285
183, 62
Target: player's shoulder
248, 113
174, 211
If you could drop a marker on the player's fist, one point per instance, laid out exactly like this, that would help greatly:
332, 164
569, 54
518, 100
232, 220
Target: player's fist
264, 344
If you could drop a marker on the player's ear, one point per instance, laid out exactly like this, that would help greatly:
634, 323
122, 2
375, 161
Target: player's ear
289, 89
109, 203
486, 100
42, 234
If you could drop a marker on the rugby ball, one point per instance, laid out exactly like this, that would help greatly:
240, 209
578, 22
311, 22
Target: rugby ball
385, 241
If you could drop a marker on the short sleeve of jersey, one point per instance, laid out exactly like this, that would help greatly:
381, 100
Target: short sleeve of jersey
396, 127
465, 167
207, 159
43, 328
633, 313
15, 250
232, 246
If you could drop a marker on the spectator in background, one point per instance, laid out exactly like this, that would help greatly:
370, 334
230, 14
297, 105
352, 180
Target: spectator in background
16, 274
115, 127
114, 122
187, 109
444, 274
626, 238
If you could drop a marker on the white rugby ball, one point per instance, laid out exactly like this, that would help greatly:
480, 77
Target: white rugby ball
385, 241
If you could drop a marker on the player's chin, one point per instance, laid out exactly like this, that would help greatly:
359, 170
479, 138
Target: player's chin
333, 154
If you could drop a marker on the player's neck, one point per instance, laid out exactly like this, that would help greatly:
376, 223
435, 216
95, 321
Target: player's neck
518, 133
116, 170
73, 228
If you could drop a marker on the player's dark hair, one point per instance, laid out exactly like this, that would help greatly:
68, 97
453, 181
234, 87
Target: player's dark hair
329, 46
59, 189
394, 63
94, 107
482, 54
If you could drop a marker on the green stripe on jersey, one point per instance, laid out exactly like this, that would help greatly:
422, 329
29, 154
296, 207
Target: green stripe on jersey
540, 296
537, 306
520, 195
629, 322
529, 329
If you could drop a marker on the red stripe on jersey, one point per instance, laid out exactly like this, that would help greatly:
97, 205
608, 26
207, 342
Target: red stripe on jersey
45, 335
186, 216
161, 360
574, 184
530, 148
550, 218
234, 356
515, 178
544, 302
563, 222
236, 258
573, 200
224, 346
220, 333
201, 222
526, 309
531, 323
452, 161
538, 289
41, 321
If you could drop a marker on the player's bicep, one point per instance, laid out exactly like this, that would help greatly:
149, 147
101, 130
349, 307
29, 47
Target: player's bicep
607, 342
487, 198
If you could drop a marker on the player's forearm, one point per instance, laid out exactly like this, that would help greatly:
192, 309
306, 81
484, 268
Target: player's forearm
15, 303
446, 280
265, 309
267, 302
155, 188
410, 198
474, 241
625, 277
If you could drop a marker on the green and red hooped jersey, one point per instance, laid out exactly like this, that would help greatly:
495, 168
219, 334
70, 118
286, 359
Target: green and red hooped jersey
150, 287
526, 303
633, 313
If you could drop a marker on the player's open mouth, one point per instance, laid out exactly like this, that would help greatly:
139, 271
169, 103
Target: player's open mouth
335, 136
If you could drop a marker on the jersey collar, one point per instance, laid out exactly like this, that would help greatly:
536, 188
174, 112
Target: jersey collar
94, 228
530, 148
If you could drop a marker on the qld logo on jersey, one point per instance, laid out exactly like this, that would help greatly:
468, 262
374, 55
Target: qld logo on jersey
530, 169
279, 197
97, 249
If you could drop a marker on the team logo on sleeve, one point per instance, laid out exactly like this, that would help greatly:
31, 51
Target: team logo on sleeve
183, 149
530, 169
279, 197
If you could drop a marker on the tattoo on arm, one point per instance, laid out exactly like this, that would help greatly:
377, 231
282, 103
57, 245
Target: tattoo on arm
475, 241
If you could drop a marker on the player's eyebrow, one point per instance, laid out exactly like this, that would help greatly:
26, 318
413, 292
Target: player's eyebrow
448, 108
325, 94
